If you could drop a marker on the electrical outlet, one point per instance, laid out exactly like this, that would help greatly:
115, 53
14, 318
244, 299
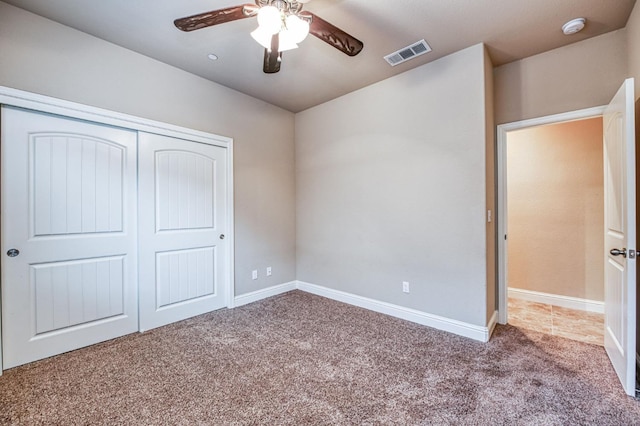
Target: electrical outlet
405, 286
268, 271
254, 274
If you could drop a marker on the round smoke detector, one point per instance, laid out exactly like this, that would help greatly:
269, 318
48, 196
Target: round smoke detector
573, 26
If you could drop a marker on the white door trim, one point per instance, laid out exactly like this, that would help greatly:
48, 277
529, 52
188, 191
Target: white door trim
28, 100
503, 129
22, 99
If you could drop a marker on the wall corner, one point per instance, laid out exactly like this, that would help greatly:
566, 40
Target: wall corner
490, 191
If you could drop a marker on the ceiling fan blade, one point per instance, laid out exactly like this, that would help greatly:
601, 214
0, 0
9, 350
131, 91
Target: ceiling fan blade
272, 58
215, 17
334, 36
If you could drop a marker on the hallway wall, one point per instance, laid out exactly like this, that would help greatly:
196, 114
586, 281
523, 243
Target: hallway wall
556, 209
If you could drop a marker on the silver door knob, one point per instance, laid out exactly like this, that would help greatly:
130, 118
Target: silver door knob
222, 236
618, 252
13, 252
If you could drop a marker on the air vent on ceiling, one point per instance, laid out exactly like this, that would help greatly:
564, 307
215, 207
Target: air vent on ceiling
409, 52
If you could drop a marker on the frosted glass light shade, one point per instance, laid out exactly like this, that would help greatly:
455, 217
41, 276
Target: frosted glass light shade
262, 37
286, 41
270, 19
297, 28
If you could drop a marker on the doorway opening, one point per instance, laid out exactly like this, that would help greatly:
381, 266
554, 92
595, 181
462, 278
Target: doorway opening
533, 277
555, 205
620, 250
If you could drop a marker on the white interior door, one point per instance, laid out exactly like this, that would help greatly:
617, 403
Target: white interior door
183, 222
620, 235
68, 234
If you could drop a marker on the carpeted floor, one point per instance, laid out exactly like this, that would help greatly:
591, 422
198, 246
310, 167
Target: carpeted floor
301, 359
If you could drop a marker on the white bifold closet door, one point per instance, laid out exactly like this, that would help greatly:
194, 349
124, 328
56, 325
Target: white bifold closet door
69, 268
182, 225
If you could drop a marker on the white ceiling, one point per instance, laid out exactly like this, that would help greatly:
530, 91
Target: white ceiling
316, 72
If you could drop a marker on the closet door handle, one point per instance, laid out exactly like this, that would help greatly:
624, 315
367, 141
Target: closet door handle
222, 236
13, 252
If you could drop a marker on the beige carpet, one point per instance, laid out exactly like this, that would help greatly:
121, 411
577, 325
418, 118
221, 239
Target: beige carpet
301, 359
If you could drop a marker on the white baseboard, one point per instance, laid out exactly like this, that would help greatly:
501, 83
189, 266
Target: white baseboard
556, 300
460, 328
254, 296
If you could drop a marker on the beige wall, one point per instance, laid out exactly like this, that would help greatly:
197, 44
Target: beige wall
391, 188
633, 46
492, 303
555, 200
390, 200
40, 56
577, 76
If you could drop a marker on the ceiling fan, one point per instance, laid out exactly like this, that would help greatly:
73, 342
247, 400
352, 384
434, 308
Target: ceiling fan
282, 25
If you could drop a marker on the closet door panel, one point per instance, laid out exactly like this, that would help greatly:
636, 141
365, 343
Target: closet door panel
69, 209
183, 253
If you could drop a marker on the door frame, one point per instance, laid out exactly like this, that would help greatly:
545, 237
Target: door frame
47, 104
502, 217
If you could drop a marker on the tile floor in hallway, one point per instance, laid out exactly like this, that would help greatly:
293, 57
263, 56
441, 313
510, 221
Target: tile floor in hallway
570, 323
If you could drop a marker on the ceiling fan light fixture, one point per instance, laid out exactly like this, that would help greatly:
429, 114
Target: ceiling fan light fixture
286, 41
262, 37
297, 27
270, 19
290, 30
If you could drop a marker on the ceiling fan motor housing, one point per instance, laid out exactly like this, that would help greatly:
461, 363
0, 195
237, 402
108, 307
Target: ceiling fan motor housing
285, 6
